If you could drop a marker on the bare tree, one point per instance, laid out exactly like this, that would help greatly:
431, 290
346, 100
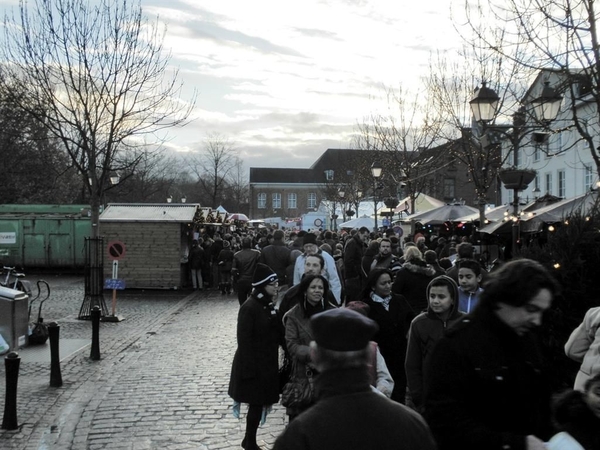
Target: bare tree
403, 134
238, 187
560, 36
152, 180
101, 77
33, 166
213, 165
452, 83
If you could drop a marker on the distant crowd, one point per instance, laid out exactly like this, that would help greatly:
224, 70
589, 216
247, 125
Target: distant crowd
373, 341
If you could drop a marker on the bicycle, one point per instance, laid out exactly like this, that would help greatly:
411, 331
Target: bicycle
14, 280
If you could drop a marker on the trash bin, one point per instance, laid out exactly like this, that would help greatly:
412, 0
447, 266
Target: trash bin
14, 317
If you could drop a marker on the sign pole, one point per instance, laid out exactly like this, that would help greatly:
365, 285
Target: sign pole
114, 293
116, 251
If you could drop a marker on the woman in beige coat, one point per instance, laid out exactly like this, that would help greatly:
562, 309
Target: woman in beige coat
584, 346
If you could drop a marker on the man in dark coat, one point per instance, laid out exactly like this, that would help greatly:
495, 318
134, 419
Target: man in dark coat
244, 265
485, 387
348, 413
277, 256
353, 253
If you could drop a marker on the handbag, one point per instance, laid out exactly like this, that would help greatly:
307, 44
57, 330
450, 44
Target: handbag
39, 333
299, 393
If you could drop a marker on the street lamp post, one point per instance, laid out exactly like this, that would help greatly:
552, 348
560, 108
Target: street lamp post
341, 194
484, 107
376, 172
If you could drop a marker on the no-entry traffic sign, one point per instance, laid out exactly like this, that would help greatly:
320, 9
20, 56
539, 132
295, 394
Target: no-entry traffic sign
116, 250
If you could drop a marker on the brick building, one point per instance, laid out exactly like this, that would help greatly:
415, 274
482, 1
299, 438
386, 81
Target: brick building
288, 193
157, 238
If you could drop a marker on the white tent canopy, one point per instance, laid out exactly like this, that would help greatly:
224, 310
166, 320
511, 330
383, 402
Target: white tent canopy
358, 223
423, 203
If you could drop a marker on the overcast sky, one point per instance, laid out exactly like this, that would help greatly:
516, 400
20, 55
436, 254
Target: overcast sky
285, 80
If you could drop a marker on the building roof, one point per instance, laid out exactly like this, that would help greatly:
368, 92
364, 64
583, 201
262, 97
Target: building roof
151, 212
44, 210
332, 158
283, 175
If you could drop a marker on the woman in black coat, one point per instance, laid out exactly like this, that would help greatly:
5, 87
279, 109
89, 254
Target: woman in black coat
393, 315
254, 373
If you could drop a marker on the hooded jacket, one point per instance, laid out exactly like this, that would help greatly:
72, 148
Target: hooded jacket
425, 330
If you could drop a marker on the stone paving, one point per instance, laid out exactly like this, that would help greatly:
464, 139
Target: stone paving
161, 382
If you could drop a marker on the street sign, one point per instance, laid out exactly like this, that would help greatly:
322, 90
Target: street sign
114, 283
116, 250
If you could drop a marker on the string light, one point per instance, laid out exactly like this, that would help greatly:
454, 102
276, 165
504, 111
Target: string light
557, 266
551, 228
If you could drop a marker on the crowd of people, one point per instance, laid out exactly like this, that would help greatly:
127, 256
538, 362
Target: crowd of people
412, 343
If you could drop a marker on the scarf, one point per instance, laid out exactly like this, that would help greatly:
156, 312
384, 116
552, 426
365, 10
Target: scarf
385, 302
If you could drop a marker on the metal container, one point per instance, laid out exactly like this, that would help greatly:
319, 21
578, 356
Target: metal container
14, 317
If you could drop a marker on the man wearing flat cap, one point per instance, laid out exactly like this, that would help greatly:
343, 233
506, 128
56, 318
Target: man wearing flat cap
348, 414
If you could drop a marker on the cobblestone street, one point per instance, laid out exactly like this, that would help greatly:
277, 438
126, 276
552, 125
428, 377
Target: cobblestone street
161, 382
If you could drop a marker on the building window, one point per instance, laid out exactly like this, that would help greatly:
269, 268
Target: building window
276, 201
588, 178
561, 183
449, 185
536, 153
292, 201
262, 200
312, 200
549, 183
329, 175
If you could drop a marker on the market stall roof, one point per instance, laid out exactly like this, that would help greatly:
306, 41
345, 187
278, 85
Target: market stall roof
423, 203
560, 211
445, 213
358, 223
152, 212
547, 209
493, 214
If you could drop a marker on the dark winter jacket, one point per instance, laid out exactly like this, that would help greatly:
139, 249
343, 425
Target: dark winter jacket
392, 338
255, 370
411, 282
425, 330
225, 260
572, 414
353, 252
384, 262
277, 257
349, 415
244, 264
485, 387
196, 257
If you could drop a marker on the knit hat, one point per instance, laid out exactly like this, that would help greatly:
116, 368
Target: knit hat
263, 275
309, 238
342, 330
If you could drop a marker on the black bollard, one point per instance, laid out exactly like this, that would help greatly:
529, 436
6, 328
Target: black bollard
53, 334
11, 364
95, 351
